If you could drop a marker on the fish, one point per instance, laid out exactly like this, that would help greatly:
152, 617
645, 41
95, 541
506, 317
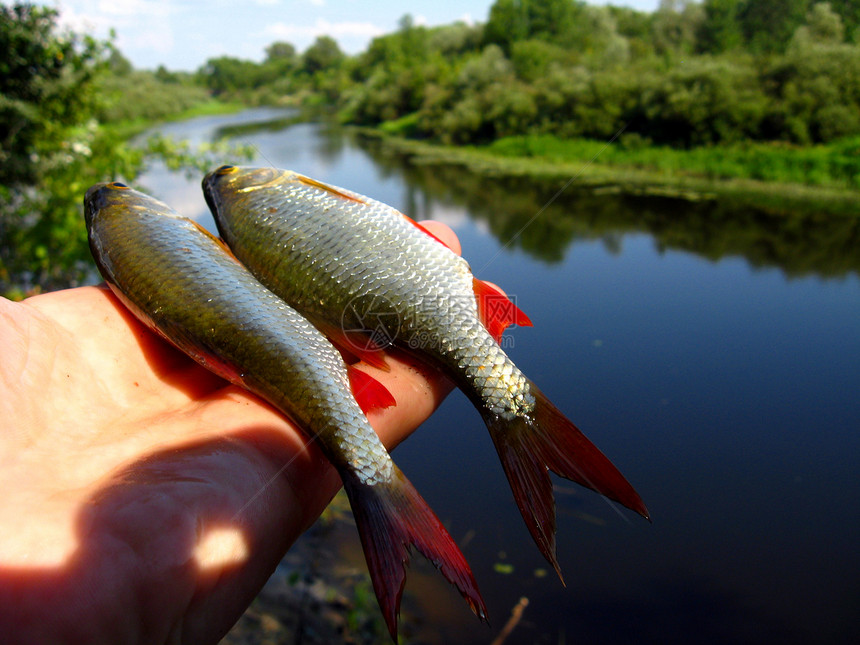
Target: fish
370, 277
184, 284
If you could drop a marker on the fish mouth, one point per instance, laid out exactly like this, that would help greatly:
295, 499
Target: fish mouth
210, 191
98, 197
227, 180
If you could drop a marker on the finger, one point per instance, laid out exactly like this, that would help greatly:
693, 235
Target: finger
418, 389
444, 233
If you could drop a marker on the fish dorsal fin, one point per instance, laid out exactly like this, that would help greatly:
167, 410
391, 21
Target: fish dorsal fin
221, 243
425, 230
369, 393
329, 189
496, 310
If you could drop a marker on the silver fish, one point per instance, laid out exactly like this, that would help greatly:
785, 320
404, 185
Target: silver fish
368, 276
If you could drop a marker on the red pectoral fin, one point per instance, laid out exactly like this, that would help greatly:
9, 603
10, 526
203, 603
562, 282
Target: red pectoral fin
369, 393
496, 310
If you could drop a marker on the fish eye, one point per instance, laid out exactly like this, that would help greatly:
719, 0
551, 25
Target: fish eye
118, 184
224, 170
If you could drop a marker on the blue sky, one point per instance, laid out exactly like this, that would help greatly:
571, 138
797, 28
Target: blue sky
183, 34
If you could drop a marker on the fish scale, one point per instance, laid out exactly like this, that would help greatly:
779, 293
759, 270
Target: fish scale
351, 263
184, 284
259, 324
315, 233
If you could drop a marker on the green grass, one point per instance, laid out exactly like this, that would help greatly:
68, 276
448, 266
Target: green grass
836, 165
775, 177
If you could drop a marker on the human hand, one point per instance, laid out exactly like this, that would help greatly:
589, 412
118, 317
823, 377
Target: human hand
145, 499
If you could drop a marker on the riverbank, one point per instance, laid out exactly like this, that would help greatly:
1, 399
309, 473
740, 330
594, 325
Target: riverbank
130, 128
770, 177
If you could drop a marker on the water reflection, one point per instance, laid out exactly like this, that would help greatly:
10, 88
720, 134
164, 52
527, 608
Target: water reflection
515, 210
246, 128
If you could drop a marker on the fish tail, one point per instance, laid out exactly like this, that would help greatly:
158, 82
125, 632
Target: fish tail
545, 440
391, 518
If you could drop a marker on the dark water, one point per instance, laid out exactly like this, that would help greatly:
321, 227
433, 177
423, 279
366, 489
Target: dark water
713, 352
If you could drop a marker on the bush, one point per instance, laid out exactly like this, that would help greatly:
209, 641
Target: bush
140, 95
707, 100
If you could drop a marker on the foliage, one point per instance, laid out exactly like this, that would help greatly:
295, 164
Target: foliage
323, 55
767, 25
514, 20
46, 92
707, 101
146, 95
688, 74
800, 241
57, 93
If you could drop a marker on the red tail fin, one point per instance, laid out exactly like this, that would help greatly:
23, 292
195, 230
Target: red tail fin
391, 517
529, 446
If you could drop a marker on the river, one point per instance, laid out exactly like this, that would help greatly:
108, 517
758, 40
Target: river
711, 351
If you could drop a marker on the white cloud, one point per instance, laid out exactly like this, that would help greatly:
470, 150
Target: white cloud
321, 27
132, 7
102, 14
143, 23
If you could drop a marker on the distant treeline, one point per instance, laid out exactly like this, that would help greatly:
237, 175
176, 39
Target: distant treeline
688, 74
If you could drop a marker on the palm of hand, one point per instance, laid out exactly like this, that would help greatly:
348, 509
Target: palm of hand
134, 480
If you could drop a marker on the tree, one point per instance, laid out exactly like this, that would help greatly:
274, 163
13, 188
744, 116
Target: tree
228, 74
818, 80
54, 89
823, 25
720, 31
676, 23
48, 98
849, 11
323, 55
46, 90
119, 64
513, 20
280, 51
767, 25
